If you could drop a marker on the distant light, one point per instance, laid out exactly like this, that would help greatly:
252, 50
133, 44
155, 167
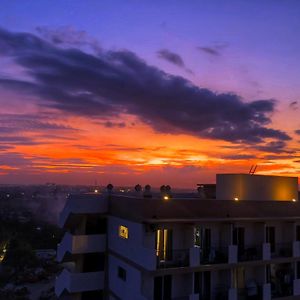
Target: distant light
166, 197
96, 191
294, 200
4, 250
236, 199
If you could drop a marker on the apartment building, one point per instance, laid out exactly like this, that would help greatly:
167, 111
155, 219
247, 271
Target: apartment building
240, 242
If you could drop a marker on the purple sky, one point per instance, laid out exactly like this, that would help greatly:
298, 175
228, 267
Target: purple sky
247, 48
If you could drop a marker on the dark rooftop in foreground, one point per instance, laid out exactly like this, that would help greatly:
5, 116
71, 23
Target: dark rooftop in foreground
189, 209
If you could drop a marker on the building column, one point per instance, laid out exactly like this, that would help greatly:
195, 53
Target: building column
267, 285
296, 281
233, 292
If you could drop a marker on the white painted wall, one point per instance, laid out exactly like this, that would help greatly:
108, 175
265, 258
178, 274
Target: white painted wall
256, 187
129, 289
132, 248
147, 286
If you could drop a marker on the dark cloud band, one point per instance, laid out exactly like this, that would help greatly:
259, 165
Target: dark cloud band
111, 83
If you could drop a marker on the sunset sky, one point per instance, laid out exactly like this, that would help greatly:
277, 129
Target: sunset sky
158, 92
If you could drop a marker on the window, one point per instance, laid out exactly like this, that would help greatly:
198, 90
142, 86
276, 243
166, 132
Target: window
270, 237
163, 288
202, 237
123, 232
202, 284
298, 269
268, 273
164, 242
298, 233
122, 273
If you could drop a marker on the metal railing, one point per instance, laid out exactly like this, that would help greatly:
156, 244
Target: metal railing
214, 255
173, 258
281, 289
221, 292
249, 253
250, 292
282, 250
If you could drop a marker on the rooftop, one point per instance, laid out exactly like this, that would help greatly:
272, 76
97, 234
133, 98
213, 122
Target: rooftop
194, 209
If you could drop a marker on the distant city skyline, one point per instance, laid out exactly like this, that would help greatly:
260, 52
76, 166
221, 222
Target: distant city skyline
158, 92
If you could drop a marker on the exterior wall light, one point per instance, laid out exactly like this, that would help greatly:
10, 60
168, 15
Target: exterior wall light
166, 197
236, 199
123, 232
294, 200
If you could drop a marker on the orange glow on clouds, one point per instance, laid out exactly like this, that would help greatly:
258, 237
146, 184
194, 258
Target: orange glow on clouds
131, 154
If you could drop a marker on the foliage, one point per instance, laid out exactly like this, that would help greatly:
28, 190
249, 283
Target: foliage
20, 255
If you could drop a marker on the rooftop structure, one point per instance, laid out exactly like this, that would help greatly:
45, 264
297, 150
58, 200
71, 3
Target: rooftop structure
243, 242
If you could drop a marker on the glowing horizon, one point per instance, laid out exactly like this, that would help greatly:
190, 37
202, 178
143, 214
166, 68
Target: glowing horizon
172, 102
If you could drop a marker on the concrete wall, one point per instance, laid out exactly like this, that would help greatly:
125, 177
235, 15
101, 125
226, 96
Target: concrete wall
132, 248
256, 187
131, 288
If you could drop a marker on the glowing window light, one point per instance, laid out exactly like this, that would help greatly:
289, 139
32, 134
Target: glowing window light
236, 199
294, 200
166, 198
123, 232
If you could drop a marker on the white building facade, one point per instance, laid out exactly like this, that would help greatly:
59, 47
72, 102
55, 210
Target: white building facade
235, 246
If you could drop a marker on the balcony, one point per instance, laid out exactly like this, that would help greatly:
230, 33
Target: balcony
78, 282
251, 292
250, 253
282, 250
278, 292
173, 258
78, 244
213, 255
83, 204
220, 292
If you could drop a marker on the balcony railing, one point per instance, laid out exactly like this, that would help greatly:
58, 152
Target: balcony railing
83, 204
282, 283
249, 253
282, 250
280, 290
173, 258
214, 255
221, 292
250, 292
78, 244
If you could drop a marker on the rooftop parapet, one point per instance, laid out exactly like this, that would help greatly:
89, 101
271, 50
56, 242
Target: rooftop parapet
256, 187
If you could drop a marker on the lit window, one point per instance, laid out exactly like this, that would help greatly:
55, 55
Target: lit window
123, 232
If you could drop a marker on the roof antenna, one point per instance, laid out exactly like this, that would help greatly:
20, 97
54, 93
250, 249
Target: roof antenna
250, 171
253, 169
